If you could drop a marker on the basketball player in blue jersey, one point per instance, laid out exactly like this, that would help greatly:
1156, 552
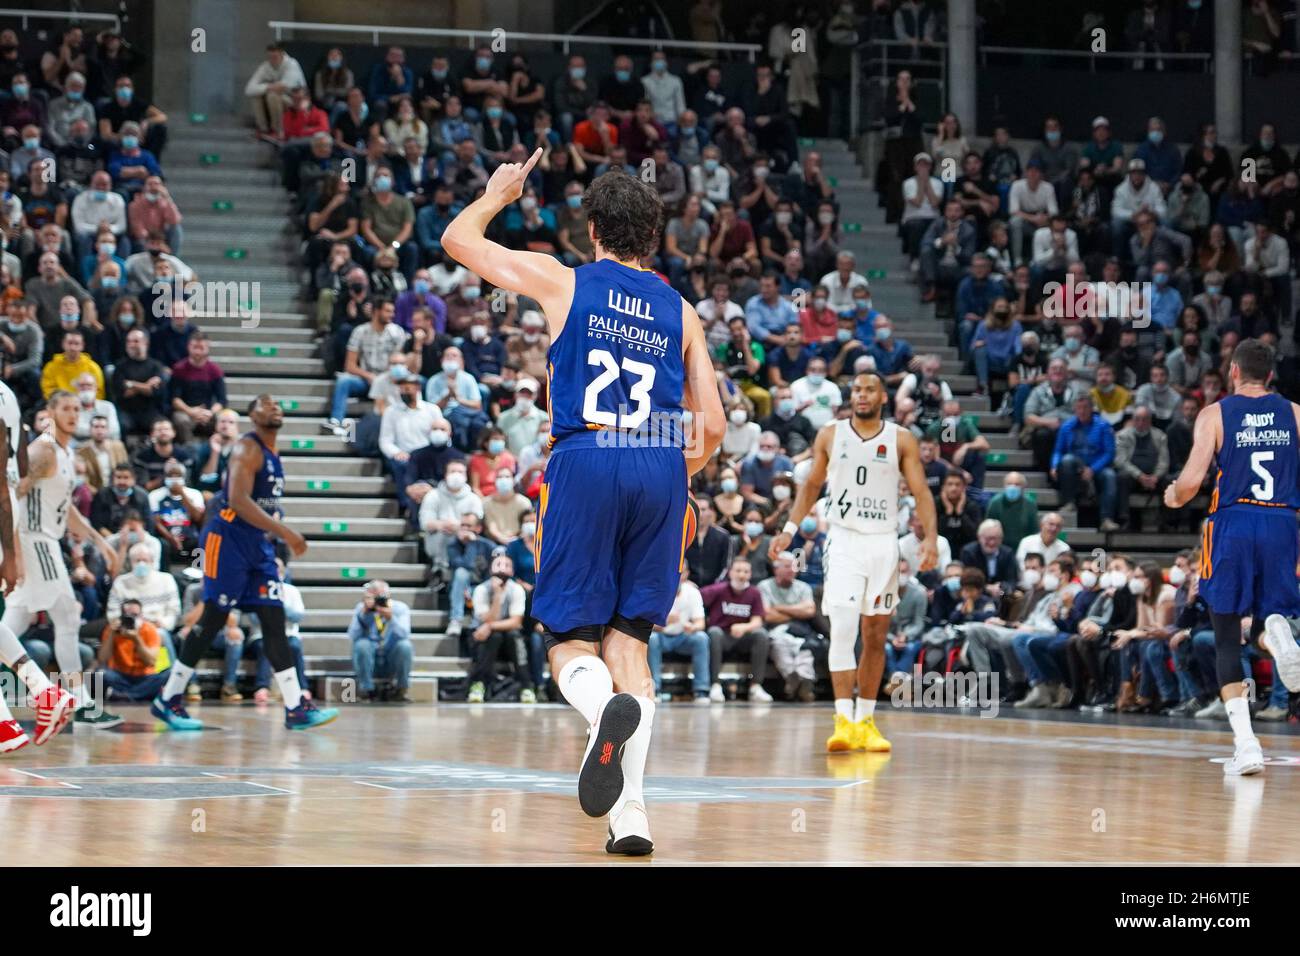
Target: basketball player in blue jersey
627, 356
239, 571
1249, 541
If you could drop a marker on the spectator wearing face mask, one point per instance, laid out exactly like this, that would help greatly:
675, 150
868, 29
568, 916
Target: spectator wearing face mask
380, 632
427, 465
1015, 508
793, 431
523, 421
404, 429
499, 603
456, 392
178, 512
960, 441
122, 498
441, 510
504, 509
816, 398
90, 409
155, 591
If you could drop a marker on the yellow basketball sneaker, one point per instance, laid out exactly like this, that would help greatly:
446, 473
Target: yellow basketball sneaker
867, 736
845, 736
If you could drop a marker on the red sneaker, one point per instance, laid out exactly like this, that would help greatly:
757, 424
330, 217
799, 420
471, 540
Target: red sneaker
54, 708
12, 737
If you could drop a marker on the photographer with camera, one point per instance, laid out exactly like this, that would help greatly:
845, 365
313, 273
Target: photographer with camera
129, 653
381, 643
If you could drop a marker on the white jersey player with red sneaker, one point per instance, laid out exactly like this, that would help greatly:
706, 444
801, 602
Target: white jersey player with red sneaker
44, 514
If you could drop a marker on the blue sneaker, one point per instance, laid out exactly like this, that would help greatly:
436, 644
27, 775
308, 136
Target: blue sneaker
172, 713
307, 714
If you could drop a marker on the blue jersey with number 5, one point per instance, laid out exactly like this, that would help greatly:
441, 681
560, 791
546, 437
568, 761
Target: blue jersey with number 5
617, 364
1257, 465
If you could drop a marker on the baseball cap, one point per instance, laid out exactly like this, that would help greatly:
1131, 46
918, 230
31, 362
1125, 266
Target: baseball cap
1100, 121
1136, 164
526, 384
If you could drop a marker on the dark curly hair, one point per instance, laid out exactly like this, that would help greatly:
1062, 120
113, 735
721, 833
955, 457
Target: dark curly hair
626, 215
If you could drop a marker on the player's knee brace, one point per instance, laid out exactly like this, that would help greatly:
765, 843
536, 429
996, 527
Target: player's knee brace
274, 641
1227, 648
638, 627
586, 633
844, 638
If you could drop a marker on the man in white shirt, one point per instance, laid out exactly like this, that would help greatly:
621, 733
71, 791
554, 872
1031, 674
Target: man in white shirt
160, 599
684, 636
711, 181
841, 283
1268, 257
1030, 204
93, 206
499, 604
1137, 191
441, 511
523, 420
91, 408
814, 397
1047, 542
664, 91
909, 545
268, 89
404, 428
922, 199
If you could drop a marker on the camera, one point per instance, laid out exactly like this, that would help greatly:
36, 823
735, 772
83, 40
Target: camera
381, 601
128, 622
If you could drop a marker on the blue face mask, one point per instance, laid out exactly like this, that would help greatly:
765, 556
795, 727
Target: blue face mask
421, 286
130, 142
99, 195
882, 335
126, 318
334, 62
472, 293
1156, 137
1161, 278
843, 335
1052, 136
21, 90
108, 282
493, 112
575, 202
623, 75
729, 485
439, 74
484, 63
365, 110
578, 73
1013, 492
383, 184
1073, 345
32, 143
505, 485
74, 96
496, 446
124, 94
785, 407
140, 570
816, 380
659, 66
808, 525
1213, 290
754, 529
952, 584
711, 165
686, 131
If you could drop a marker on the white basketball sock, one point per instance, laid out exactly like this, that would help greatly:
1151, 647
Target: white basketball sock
863, 708
586, 684
177, 680
635, 752
5, 712
844, 707
287, 681
1239, 718
35, 679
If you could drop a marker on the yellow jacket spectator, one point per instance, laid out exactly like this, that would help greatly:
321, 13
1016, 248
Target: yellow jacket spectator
63, 370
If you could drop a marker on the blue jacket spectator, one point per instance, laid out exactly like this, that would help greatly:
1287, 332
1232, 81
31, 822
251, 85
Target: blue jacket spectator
380, 632
756, 474
118, 160
975, 296
431, 222
768, 317
384, 85
1164, 161
1092, 441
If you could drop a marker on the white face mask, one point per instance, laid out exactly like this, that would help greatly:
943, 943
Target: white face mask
1177, 576
1031, 577
738, 416
455, 482
1088, 579
1051, 582
1137, 586
780, 492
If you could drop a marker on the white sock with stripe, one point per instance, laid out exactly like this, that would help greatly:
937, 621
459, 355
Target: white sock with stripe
586, 683
635, 752
177, 680
287, 681
1238, 709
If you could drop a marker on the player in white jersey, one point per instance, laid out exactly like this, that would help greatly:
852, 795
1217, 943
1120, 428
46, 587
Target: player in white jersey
863, 457
45, 515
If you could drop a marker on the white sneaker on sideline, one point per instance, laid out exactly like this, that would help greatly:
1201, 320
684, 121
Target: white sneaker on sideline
716, 696
1246, 760
759, 696
1286, 652
1213, 710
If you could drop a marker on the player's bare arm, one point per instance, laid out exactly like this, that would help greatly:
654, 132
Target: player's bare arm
1205, 442
41, 463
909, 463
700, 395
812, 487
245, 460
535, 274
82, 528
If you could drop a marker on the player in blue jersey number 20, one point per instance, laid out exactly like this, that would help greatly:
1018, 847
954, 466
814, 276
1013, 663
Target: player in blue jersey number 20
627, 358
1249, 542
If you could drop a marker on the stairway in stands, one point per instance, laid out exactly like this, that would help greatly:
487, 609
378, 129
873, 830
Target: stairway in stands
341, 502
880, 258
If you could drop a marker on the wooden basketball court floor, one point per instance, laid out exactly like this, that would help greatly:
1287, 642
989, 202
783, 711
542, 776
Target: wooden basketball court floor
494, 784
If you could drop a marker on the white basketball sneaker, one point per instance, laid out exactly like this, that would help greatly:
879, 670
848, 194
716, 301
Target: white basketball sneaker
629, 831
1286, 652
1248, 759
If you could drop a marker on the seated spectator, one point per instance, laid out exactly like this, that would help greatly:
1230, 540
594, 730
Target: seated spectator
1083, 460
1016, 509
380, 632
66, 367
138, 386
1159, 397
213, 456
153, 591
101, 453
789, 615
198, 391
893, 356
922, 202
441, 510
997, 561
815, 398
1142, 465
1045, 542
499, 604
178, 512
959, 515
683, 636
129, 656
67, 109
523, 421
1111, 400
1136, 193
404, 429
419, 296
130, 165
789, 361
269, 89
945, 250
388, 221
427, 465
27, 150
154, 211
47, 289
79, 158
709, 555
1030, 205
1081, 359
977, 296
151, 459
922, 394
742, 359
90, 408
22, 348
794, 433
1047, 406
504, 509
960, 442
456, 392
734, 613
94, 206
369, 347
121, 498
155, 267
469, 555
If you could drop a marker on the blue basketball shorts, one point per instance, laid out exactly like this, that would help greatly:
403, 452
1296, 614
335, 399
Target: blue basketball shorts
1248, 559
238, 566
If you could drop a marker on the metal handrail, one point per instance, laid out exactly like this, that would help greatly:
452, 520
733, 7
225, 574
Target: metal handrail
279, 26
59, 15
1088, 54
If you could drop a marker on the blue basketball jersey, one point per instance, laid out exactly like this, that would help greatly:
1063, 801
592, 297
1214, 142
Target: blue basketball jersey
268, 487
618, 363
1257, 465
